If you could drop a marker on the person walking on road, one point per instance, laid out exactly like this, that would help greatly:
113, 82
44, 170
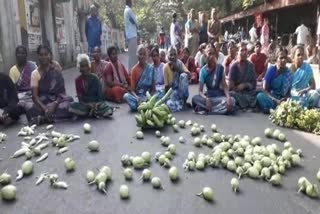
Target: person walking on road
175, 33
130, 23
265, 36
302, 35
93, 29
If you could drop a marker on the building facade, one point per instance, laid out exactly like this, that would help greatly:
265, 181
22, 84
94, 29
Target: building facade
57, 23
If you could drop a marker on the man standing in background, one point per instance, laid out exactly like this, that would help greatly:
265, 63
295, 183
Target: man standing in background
175, 32
93, 29
130, 23
302, 35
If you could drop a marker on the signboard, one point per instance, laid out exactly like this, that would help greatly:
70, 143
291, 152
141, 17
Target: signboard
33, 24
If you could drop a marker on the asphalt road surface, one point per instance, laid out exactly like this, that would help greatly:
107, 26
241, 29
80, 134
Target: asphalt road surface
116, 138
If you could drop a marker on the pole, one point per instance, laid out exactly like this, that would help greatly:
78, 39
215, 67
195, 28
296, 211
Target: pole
276, 27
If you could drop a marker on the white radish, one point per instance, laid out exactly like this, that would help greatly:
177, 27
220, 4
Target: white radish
87, 128
107, 171
41, 178
181, 139
62, 150
312, 191
124, 192
214, 127
56, 134
207, 194
146, 175
27, 167
158, 133
93, 146
8, 192
172, 149
146, 157
53, 178
318, 175
5, 178
90, 176
69, 164
60, 185
139, 135
43, 157
234, 184
156, 183
19, 175
49, 127
138, 162
20, 152
36, 151
128, 174
275, 179
173, 173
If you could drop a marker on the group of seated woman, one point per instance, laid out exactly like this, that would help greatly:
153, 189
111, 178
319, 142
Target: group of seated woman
39, 91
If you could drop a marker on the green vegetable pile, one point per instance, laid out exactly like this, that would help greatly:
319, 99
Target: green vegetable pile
292, 115
153, 113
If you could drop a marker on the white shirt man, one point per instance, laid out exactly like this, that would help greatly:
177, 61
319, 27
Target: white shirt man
253, 35
302, 35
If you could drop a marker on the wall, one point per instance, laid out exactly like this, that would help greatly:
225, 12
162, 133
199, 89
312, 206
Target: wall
10, 35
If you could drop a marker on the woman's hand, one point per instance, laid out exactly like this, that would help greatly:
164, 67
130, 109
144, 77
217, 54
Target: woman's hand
208, 104
229, 105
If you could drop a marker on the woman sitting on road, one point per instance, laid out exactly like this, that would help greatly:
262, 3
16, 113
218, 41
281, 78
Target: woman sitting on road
189, 62
20, 75
8, 101
242, 80
199, 54
98, 66
142, 80
276, 84
176, 76
158, 72
230, 58
217, 99
91, 100
116, 77
303, 83
48, 91
259, 60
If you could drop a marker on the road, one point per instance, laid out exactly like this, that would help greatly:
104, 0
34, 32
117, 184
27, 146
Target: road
116, 139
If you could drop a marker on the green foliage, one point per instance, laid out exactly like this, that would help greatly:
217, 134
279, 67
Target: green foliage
153, 14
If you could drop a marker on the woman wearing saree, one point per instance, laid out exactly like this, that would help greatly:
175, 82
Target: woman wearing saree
242, 80
217, 99
116, 77
9, 109
20, 74
98, 66
91, 100
303, 83
48, 92
192, 33
276, 84
158, 72
176, 76
142, 80
190, 63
